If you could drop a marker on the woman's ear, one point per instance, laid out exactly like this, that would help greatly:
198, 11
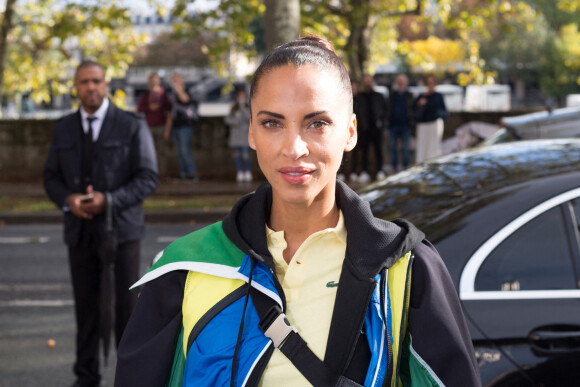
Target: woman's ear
251, 140
352, 134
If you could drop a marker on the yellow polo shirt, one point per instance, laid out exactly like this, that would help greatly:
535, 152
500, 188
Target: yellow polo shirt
310, 282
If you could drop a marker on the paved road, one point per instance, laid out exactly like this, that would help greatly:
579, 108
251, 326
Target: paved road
36, 303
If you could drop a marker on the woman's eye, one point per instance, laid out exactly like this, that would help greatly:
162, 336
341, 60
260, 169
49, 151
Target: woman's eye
318, 124
271, 124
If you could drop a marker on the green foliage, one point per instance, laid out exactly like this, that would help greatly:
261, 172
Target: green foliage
560, 64
514, 42
535, 41
530, 39
231, 25
558, 13
49, 38
569, 5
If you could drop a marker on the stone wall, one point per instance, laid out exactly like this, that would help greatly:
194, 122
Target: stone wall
24, 146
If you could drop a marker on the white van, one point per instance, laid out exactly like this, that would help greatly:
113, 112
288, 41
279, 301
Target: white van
490, 98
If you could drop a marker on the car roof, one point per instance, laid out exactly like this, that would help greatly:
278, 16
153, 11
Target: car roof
543, 117
461, 199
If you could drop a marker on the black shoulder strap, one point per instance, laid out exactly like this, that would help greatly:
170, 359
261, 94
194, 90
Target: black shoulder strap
276, 326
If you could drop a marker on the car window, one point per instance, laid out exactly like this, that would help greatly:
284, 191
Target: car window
535, 257
576, 206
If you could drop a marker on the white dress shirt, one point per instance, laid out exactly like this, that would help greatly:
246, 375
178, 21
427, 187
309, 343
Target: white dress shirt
99, 118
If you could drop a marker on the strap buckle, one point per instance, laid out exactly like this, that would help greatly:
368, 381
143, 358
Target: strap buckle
276, 326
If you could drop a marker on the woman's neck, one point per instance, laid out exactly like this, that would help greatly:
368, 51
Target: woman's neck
300, 221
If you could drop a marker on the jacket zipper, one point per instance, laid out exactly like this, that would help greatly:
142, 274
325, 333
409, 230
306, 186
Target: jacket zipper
253, 255
256, 375
403, 318
389, 374
280, 289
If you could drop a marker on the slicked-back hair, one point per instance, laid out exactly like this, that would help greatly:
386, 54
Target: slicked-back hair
310, 50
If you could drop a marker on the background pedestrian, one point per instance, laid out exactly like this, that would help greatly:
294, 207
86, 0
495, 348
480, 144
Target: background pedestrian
184, 115
370, 128
430, 111
100, 167
400, 120
239, 123
154, 104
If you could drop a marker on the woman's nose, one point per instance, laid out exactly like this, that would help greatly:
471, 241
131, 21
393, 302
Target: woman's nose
295, 146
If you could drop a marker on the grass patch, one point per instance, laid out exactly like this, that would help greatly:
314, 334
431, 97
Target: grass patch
190, 203
14, 204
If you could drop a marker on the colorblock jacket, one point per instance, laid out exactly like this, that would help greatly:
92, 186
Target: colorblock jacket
393, 287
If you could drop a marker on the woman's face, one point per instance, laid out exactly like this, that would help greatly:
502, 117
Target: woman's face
154, 81
241, 97
430, 82
301, 125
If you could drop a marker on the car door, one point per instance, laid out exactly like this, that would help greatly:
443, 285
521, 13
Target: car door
520, 291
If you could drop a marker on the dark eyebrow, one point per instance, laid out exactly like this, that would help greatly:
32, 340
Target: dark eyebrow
277, 115
265, 112
311, 115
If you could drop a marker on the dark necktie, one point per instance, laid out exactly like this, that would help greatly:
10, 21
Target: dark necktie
90, 120
88, 153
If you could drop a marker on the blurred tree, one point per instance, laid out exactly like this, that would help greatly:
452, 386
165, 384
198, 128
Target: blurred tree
535, 43
356, 20
437, 55
167, 51
369, 32
364, 32
282, 22
48, 38
347, 24
559, 64
513, 42
569, 5
4, 30
230, 25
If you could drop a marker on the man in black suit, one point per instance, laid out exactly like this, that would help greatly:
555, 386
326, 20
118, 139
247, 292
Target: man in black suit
100, 167
370, 119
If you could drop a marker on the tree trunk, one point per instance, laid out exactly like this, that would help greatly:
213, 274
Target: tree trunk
359, 22
282, 22
4, 30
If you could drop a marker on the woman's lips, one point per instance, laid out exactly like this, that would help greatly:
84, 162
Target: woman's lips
295, 175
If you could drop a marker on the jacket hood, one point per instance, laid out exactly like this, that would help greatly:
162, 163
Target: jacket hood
372, 244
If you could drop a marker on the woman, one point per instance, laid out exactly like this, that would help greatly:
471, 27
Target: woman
430, 111
301, 265
180, 127
155, 105
239, 121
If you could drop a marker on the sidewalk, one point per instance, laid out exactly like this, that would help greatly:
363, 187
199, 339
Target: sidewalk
172, 188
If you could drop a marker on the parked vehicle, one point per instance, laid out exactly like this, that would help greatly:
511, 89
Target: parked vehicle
489, 98
506, 220
557, 123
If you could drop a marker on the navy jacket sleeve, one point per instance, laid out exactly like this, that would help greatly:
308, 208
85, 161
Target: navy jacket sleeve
439, 337
145, 353
144, 174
